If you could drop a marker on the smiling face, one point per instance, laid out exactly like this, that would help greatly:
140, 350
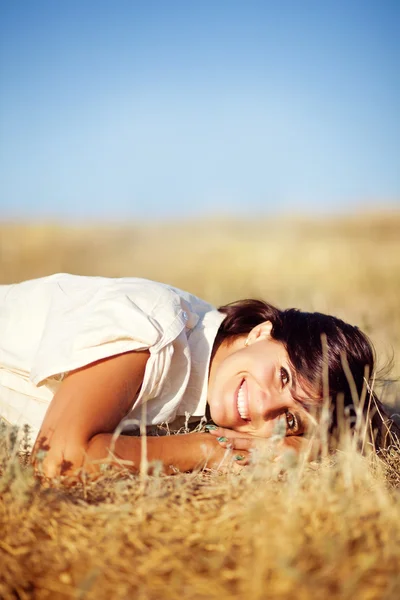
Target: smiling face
252, 386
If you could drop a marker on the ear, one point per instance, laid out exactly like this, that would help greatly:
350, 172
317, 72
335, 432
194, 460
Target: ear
259, 332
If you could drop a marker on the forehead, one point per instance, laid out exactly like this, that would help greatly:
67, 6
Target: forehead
276, 347
272, 350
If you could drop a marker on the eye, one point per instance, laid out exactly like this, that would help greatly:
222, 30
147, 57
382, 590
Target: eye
293, 424
285, 377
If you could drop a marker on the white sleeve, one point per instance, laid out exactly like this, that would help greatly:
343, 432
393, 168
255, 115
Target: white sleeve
88, 325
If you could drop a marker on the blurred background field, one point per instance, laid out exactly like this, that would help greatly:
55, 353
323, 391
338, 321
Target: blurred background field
348, 266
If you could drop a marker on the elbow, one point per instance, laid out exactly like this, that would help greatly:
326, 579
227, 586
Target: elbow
55, 462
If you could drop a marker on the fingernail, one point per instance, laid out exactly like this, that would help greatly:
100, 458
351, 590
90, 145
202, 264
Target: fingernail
210, 427
238, 457
222, 439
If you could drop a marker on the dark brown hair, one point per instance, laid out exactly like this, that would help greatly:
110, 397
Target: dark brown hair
348, 354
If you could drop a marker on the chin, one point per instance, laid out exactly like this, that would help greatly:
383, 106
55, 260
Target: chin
219, 418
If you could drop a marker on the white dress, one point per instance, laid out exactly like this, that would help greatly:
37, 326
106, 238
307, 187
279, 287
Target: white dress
56, 324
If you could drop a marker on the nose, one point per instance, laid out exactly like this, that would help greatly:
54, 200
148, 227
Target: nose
271, 402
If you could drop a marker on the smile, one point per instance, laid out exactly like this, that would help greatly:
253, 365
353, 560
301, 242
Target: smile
242, 402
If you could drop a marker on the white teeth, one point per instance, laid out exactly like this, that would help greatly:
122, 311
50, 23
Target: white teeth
242, 404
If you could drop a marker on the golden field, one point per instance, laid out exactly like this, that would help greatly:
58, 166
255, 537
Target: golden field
327, 529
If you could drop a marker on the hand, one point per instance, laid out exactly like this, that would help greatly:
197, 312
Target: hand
242, 443
245, 443
207, 451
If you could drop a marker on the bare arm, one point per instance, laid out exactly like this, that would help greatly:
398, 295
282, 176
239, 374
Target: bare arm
87, 408
176, 452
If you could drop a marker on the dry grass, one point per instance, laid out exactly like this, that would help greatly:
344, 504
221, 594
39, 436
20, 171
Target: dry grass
323, 530
329, 530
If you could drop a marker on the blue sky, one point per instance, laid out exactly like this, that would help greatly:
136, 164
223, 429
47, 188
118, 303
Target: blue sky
165, 109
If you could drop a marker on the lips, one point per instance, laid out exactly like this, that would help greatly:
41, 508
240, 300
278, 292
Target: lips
242, 402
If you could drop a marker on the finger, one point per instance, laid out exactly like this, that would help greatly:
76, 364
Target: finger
241, 459
234, 465
217, 431
236, 443
224, 432
229, 459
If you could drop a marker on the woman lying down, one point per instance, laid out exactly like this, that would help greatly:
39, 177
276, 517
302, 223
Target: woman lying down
82, 357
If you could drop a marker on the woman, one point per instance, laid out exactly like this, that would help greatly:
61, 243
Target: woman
83, 356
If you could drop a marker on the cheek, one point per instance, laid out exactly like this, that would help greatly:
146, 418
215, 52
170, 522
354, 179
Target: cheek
303, 444
215, 392
225, 373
